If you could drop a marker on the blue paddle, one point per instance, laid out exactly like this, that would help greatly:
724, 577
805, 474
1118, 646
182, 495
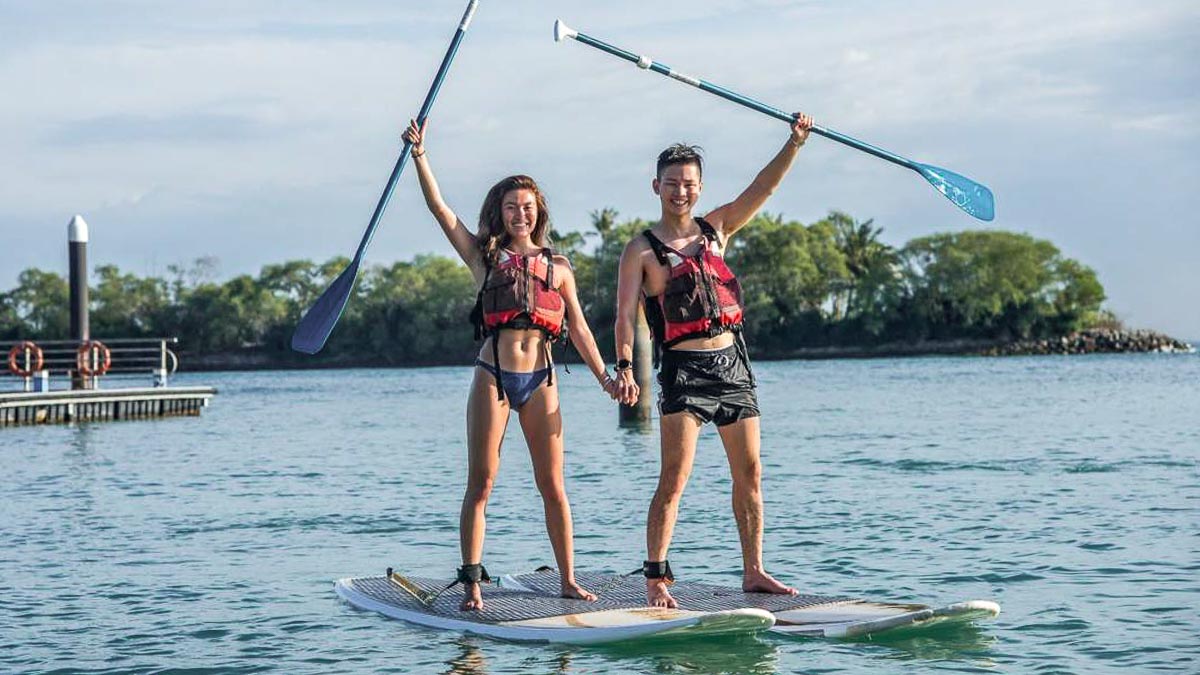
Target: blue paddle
314, 329
966, 194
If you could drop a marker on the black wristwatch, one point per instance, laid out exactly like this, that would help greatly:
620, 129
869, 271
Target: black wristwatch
623, 364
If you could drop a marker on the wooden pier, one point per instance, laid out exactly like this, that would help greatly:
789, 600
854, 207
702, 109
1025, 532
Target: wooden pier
93, 405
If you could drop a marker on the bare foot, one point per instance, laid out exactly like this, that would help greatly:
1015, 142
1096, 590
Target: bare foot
472, 598
657, 594
574, 590
757, 581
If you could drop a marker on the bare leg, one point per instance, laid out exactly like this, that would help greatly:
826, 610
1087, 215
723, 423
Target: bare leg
741, 441
541, 421
487, 418
678, 434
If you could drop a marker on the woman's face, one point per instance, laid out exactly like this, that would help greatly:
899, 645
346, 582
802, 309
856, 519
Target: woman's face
519, 212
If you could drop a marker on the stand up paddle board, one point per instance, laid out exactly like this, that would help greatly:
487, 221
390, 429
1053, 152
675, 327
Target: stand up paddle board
529, 615
526, 607
804, 615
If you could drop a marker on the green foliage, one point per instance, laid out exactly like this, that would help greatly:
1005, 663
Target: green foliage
997, 284
831, 282
125, 305
41, 301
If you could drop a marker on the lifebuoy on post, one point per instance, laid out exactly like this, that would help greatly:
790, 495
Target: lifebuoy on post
29, 367
93, 358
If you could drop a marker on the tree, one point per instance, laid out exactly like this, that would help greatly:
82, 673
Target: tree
11, 326
872, 267
997, 285
41, 300
124, 305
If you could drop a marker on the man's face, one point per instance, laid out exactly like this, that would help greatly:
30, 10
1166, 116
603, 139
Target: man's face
678, 188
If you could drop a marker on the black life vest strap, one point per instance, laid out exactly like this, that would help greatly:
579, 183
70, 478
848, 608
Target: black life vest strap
481, 332
496, 365
477, 313
708, 230
549, 253
659, 248
548, 342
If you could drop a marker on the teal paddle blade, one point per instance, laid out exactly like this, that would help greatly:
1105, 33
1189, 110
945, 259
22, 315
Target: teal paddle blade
966, 194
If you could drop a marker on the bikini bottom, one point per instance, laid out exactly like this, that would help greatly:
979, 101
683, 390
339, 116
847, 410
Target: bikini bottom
518, 387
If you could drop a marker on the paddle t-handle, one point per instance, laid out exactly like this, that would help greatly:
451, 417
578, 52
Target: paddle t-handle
974, 198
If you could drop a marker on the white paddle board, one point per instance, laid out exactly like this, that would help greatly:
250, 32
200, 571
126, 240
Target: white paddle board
535, 616
800, 615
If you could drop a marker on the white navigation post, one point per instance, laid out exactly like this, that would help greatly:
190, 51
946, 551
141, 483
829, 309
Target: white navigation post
77, 237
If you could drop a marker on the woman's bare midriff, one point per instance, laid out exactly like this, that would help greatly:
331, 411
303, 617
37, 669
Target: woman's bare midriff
521, 351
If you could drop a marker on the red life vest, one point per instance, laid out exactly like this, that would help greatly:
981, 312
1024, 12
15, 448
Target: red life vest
518, 292
703, 297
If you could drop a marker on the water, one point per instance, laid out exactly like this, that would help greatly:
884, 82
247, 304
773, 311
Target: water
1067, 489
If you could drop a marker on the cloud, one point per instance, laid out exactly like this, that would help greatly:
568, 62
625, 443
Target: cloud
182, 128
258, 131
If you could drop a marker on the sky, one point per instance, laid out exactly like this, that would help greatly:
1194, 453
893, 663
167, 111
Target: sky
263, 131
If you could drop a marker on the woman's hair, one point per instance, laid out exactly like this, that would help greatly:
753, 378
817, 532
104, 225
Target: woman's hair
492, 236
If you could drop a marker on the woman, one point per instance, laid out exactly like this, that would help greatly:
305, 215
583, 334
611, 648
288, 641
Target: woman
526, 292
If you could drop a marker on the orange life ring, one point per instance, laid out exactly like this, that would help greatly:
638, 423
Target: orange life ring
21, 348
83, 358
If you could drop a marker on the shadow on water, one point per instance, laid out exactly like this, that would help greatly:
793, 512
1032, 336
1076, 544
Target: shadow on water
637, 426
81, 440
723, 654
712, 656
963, 642
470, 660
966, 644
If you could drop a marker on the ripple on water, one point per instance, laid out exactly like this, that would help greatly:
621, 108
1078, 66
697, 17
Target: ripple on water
209, 544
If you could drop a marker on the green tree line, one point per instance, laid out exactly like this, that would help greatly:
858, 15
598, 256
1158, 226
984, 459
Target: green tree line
830, 283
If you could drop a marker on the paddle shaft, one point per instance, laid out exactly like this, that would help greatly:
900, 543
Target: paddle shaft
318, 322
648, 64
421, 117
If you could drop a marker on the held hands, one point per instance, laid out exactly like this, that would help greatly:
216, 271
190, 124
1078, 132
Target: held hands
416, 135
623, 389
610, 386
801, 125
627, 390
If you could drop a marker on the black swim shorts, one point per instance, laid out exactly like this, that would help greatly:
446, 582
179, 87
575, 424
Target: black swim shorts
715, 386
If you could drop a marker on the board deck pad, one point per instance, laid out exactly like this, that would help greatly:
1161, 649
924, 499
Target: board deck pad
509, 604
630, 591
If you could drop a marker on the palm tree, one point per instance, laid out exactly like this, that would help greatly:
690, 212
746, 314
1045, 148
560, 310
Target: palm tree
867, 259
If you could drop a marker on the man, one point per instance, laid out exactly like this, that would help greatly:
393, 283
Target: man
693, 305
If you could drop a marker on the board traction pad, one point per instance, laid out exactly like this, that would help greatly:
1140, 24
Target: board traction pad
626, 592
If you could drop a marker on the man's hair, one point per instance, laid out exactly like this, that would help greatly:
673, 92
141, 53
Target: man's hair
680, 153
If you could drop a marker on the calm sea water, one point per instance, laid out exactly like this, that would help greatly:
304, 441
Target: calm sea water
1067, 489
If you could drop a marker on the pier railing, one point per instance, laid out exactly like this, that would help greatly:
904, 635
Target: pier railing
47, 365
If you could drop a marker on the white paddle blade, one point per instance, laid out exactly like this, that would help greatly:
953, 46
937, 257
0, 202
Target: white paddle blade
562, 31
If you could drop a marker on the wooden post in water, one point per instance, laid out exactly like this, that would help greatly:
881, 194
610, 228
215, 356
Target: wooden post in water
638, 414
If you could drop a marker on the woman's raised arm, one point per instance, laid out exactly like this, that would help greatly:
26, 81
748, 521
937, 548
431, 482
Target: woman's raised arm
456, 231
